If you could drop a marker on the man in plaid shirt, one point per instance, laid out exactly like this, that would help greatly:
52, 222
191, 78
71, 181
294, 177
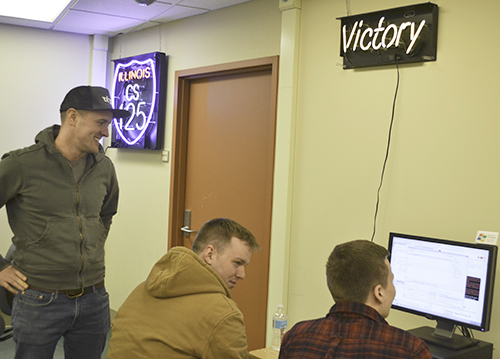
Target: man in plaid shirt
360, 279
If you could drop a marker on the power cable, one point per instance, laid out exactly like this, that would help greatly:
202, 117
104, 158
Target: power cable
387, 151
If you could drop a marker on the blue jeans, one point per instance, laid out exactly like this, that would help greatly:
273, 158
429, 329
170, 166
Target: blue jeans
40, 319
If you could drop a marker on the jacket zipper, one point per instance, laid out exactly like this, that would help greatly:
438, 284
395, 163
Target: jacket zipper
80, 225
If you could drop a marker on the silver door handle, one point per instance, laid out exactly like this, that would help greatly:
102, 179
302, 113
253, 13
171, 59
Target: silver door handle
186, 229
187, 223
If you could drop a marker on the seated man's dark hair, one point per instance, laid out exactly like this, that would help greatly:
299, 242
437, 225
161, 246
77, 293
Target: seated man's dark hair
354, 269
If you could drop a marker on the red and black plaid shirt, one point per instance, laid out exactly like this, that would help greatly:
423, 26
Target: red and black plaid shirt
351, 330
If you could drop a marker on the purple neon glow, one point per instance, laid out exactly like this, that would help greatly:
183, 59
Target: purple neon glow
145, 126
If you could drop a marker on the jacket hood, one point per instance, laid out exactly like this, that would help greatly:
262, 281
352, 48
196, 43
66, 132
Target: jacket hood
48, 136
181, 272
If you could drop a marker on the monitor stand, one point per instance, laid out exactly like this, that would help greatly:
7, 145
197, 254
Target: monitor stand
442, 338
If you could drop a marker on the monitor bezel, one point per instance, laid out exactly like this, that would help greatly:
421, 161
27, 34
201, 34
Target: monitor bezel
490, 280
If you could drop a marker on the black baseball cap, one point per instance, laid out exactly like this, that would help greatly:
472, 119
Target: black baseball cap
91, 98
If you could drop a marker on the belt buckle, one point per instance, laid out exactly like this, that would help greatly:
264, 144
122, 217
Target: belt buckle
73, 296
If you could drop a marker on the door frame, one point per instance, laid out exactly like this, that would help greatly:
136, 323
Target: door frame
183, 80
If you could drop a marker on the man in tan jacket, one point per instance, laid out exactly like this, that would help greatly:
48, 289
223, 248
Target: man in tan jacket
184, 308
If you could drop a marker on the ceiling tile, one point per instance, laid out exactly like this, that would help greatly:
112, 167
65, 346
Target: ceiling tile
124, 8
111, 17
88, 23
173, 2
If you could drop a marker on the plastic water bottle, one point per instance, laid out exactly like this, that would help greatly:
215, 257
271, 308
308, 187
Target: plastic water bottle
279, 327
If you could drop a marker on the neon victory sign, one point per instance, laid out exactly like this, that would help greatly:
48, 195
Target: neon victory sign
405, 34
139, 86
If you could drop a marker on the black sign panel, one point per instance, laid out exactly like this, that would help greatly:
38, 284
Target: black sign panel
402, 35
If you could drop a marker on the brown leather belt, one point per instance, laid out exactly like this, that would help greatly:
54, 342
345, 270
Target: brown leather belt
72, 293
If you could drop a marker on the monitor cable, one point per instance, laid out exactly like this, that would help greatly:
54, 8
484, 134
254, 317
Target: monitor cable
467, 333
387, 150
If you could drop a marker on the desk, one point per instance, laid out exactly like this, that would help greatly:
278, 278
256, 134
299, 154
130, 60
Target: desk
266, 353
482, 350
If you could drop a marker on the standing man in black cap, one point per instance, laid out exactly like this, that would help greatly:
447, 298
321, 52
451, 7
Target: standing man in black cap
61, 194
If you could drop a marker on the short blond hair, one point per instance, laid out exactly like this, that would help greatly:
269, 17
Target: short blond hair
219, 232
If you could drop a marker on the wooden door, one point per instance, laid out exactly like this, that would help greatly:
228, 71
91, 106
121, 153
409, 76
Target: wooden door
223, 163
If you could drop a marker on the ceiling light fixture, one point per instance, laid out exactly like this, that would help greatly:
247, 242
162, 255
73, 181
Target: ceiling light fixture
37, 10
145, 2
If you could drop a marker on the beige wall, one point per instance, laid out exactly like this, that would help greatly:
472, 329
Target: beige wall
441, 174
139, 234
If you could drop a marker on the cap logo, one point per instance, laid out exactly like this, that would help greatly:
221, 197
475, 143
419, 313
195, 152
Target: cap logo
106, 99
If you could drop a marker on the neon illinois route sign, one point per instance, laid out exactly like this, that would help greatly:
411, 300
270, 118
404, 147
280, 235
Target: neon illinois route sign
402, 35
139, 86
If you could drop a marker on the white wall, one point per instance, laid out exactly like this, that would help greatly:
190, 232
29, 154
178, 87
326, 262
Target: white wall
37, 68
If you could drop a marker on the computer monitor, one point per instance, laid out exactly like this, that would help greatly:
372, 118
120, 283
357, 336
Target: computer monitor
449, 281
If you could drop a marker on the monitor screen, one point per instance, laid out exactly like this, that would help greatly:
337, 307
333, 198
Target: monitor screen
449, 281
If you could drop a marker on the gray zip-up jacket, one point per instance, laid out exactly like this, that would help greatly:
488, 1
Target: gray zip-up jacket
59, 226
